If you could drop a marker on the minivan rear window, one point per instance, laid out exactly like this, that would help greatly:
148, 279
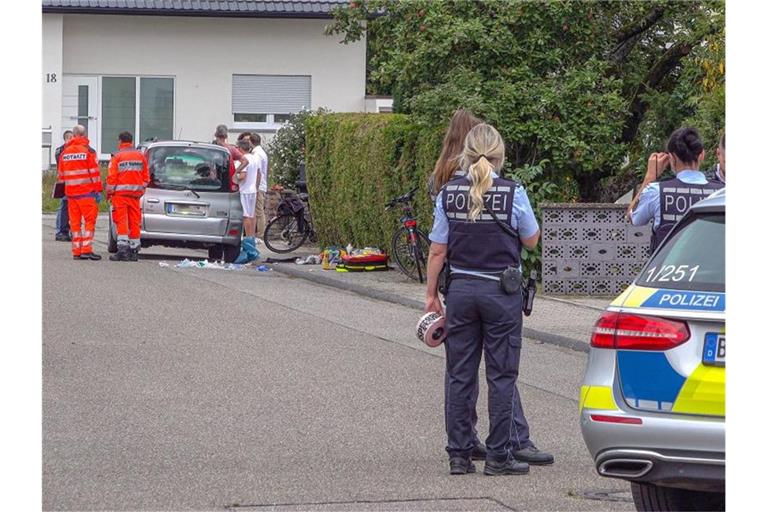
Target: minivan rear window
184, 167
693, 258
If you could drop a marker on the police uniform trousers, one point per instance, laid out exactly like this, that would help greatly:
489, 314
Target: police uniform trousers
481, 317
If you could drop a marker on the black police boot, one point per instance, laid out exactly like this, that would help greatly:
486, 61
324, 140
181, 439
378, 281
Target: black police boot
479, 452
461, 466
134, 254
533, 455
505, 467
90, 256
123, 254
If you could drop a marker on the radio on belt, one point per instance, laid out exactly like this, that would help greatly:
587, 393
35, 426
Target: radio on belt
431, 329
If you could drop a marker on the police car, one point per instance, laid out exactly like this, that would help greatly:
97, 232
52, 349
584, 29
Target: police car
652, 404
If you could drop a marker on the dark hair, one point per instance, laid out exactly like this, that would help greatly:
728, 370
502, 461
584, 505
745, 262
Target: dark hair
66, 132
256, 139
685, 144
221, 132
722, 141
244, 135
453, 143
125, 137
244, 144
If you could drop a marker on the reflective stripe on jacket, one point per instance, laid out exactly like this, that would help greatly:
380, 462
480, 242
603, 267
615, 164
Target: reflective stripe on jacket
128, 172
78, 168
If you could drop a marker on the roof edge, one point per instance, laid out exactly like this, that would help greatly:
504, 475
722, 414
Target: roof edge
185, 13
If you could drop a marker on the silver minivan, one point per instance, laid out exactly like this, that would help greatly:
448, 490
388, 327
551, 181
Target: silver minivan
191, 201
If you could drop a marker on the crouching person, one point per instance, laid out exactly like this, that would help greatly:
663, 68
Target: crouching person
126, 182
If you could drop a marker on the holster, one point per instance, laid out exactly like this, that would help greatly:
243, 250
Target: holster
444, 279
529, 293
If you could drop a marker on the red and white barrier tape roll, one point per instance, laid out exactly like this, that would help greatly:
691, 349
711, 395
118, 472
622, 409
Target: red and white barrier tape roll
431, 329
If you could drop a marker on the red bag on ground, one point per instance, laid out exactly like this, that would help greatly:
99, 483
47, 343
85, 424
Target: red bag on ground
365, 259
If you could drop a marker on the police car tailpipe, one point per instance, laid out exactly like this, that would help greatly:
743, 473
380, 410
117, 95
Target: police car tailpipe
625, 468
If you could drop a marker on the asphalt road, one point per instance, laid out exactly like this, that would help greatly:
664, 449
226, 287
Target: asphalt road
192, 389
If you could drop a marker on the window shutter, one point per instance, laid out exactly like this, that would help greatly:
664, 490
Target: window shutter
270, 94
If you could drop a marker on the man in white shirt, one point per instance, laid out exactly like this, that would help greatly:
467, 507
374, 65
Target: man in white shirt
248, 176
261, 195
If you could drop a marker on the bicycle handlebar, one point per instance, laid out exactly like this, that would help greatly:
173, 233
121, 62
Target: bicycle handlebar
405, 198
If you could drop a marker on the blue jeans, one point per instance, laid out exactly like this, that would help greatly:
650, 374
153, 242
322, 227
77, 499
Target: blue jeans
62, 218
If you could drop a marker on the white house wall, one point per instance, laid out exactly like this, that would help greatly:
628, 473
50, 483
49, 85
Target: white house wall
52, 76
202, 54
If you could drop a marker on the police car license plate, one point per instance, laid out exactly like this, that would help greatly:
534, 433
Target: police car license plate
714, 349
195, 210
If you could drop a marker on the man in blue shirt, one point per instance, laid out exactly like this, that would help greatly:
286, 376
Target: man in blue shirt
665, 202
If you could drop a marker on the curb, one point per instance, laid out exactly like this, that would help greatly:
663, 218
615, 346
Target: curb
534, 334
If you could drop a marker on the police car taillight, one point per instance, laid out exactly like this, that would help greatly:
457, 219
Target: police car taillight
638, 332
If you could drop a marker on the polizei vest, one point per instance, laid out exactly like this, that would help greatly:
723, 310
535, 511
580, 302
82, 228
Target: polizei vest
481, 245
676, 197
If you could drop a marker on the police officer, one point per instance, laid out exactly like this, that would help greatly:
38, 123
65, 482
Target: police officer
665, 202
480, 315
719, 171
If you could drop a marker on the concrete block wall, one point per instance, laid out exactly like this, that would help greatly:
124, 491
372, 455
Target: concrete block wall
589, 249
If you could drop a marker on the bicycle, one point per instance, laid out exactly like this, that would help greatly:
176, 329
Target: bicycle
410, 246
292, 226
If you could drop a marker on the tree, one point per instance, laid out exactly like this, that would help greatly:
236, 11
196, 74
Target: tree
568, 83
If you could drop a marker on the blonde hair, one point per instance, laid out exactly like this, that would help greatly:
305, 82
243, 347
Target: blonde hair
483, 153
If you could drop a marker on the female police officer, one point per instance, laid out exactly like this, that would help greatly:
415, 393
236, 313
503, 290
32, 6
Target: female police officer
480, 314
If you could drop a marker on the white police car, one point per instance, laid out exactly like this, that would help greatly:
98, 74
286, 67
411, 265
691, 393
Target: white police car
652, 404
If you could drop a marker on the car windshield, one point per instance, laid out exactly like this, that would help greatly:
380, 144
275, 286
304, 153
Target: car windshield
186, 167
693, 258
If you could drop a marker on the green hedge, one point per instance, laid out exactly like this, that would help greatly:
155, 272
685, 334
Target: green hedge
356, 163
49, 177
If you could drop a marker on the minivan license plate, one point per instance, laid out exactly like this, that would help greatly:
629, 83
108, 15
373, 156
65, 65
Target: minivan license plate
196, 210
714, 349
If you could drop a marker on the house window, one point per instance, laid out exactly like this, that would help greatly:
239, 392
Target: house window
118, 110
266, 101
156, 108
128, 103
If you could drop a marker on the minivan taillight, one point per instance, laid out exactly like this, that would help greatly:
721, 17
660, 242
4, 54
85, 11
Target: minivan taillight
638, 332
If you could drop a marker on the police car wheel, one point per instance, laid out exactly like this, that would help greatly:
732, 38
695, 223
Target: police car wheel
649, 497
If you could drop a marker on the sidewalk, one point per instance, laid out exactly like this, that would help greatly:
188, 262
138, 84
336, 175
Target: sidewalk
566, 322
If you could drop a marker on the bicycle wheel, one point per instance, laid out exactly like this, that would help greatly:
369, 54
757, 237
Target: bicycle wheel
282, 234
411, 259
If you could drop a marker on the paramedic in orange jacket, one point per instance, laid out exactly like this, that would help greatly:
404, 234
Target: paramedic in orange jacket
79, 170
127, 179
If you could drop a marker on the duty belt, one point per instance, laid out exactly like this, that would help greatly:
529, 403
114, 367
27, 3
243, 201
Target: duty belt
461, 275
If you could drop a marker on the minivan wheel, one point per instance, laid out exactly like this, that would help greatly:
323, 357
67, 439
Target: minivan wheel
215, 253
112, 241
231, 252
649, 497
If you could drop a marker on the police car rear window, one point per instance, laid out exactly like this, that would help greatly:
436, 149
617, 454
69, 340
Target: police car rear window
693, 257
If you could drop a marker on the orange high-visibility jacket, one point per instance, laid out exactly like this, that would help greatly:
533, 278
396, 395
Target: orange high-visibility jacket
128, 172
79, 168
